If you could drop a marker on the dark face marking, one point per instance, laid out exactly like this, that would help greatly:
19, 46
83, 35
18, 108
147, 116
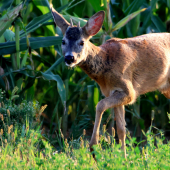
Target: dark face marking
73, 34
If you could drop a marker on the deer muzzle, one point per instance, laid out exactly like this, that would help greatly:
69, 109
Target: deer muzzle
69, 59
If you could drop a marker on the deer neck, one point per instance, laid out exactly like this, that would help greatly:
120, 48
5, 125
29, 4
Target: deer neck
93, 62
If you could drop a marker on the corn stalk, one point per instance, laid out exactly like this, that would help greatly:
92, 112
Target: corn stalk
17, 40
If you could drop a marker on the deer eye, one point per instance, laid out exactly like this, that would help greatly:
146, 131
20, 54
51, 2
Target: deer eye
82, 43
63, 42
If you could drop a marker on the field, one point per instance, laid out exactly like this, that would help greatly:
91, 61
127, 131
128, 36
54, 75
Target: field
25, 148
47, 110
29, 150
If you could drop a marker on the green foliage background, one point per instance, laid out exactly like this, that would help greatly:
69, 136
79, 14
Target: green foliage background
31, 58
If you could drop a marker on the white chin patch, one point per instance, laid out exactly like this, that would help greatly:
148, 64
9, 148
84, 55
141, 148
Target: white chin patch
70, 65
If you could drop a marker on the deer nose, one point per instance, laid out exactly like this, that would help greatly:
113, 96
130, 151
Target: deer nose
69, 59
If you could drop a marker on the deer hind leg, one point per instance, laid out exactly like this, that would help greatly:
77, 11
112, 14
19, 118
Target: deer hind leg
120, 124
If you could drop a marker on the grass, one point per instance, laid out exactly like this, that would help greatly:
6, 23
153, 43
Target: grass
25, 156
23, 147
32, 151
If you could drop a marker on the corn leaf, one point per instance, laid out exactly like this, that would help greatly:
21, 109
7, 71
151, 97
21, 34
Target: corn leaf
98, 6
61, 59
4, 4
47, 76
9, 35
36, 23
153, 4
158, 24
60, 85
9, 17
125, 20
43, 6
35, 43
134, 6
168, 3
146, 20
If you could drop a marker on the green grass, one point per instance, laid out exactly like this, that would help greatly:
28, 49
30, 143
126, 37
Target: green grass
32, 151
23, 147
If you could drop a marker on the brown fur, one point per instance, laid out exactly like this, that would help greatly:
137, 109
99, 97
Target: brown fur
143, 61
125, 69
4, 78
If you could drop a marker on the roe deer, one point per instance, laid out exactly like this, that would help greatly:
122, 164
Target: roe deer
123, 68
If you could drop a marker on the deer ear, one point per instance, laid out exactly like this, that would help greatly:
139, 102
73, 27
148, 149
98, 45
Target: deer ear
94, 24
59, 20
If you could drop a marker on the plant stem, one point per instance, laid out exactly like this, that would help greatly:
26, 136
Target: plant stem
14, 61
17, 45
17, 40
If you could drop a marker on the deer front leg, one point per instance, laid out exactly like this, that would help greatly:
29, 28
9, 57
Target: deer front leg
120, 124
117, 99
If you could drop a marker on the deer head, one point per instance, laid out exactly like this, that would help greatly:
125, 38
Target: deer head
75, 38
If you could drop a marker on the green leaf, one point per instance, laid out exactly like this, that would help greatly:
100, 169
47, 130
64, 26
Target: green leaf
153, 4
47, 76
35, 43
2, 39
14, 97
135, 5
23, 63
5, 4
146, 20
76, 19
158, 23
60, 60
36, 23
126, 4
125, 20
96, 96
30, 94
9, 17
9, 35
168, 3
60, 85
134, 25
43, 6
64, 2
98, 6
23, 131
40, 59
